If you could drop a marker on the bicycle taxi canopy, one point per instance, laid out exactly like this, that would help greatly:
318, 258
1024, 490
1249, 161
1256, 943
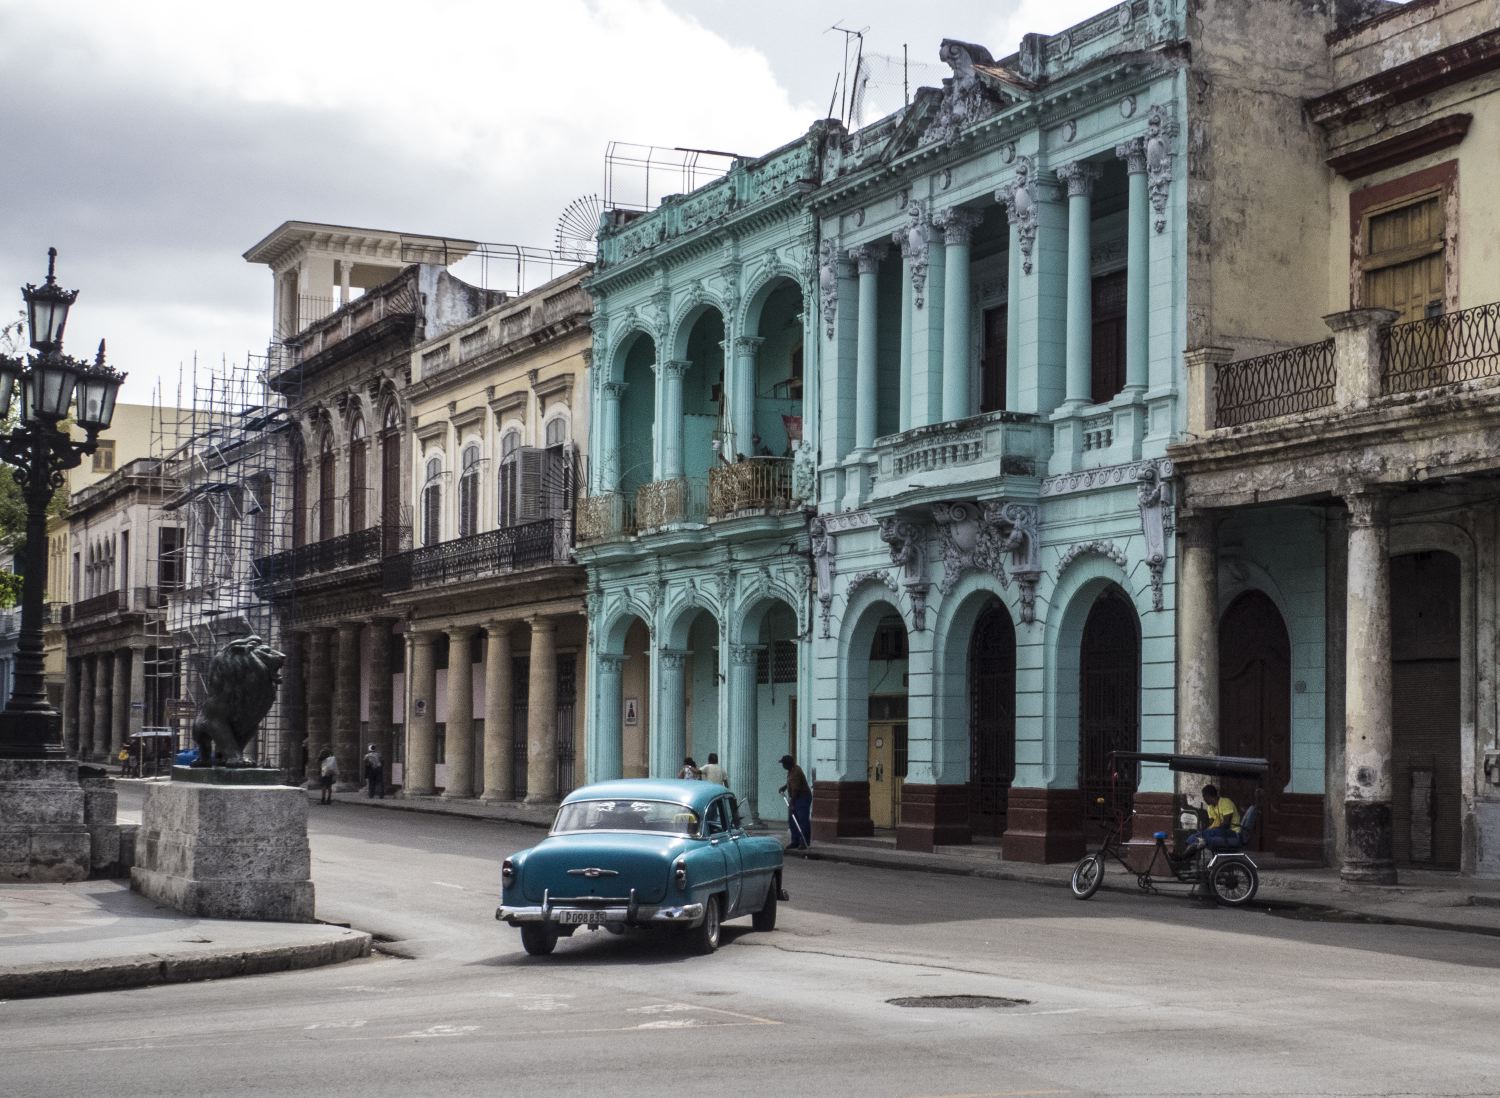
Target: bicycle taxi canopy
1213, 766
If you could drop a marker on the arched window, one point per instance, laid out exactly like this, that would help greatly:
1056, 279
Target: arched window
557, 431
432, 502
468, 493
359, 455
299, 492
327, 494
510, 443
390, 478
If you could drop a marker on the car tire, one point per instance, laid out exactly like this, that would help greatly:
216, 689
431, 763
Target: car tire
1087, 875
1234, 882
704, 938
765, 918
538, 939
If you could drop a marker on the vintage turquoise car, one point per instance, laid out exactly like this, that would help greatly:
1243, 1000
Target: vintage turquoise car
640, 853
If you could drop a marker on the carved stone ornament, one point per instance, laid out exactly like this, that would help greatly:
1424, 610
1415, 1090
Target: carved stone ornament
917, 592
964, 97
823, 554
958, 225
724, 583
1020, 207
804, 472
906, 542
1103, 548
744, 655
1153, 496
241, 686
867, 257
880, 575
913, 242
1133, 152
1078, 177
672, 659
828, 284
968, 542
1161, 130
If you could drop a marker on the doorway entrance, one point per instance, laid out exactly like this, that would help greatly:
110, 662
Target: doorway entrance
992, 719
1255, 703
1109, 703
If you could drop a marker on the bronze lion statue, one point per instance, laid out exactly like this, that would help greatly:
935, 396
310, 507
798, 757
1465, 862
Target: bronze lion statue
242, 683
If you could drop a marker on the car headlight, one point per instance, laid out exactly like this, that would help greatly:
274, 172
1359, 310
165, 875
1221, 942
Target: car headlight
679, 873
508, 872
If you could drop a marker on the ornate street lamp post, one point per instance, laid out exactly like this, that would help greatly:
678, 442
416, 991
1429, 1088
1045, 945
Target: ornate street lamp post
40, 450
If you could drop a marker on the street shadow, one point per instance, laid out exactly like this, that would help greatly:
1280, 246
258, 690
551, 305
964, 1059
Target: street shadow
634, 947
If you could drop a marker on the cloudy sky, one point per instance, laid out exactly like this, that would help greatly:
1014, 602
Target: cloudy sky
153, 141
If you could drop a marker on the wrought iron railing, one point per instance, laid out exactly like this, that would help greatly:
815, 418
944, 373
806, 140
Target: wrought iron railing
108, 603
751, 484
1297, 379
545, 541
606, 516
346, 550
1440, 350
668, 502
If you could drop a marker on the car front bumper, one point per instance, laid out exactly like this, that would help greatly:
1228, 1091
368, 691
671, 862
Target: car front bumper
678, 914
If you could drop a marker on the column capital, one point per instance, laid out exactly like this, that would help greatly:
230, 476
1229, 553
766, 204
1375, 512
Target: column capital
1133, 152
542, 624
958, 224
674, 658
867, 257
1197, 527
348, 628
743, 655
1369, 506
495, 627
421, 639
461, 631
1078, 177
614, 390
747, 345
672, 369
609, 664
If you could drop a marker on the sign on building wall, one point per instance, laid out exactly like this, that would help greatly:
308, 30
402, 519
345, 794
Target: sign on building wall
632, 711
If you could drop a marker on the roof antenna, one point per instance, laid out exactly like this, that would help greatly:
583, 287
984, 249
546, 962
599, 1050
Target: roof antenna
846, 103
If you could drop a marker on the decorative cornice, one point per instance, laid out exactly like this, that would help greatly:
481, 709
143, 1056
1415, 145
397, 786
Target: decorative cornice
1404, 83
1435, 136
1107, 477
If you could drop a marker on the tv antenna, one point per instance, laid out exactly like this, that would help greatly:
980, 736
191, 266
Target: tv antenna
854, 39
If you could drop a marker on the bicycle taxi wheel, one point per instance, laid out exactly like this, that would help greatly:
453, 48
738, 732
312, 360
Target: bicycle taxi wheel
1087, 875
1234, 882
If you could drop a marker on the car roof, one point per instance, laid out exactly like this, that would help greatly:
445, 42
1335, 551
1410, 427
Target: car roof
697, 795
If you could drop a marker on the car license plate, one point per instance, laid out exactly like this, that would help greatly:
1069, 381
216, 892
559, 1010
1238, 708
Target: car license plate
581, 918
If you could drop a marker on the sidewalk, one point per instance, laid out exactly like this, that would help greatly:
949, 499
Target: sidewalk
1424, 898
59, 939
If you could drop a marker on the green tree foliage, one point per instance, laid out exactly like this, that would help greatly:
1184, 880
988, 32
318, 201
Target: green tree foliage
10, 590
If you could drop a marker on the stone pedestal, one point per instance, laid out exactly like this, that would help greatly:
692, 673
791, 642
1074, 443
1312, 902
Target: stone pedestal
226, 852
932, 815
1043, 825
43, 832
840, 809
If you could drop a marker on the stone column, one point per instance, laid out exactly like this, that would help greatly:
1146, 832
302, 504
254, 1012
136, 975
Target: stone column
86, 707
1198, 636
866, 259
319, 707
459, 742
346, 746
104, 683
420, 774
606, 754
669, 715
499, 701
1013, 313
958, 231
743, 746
670, 375
72, 690
137, 693
1202, 400
541, 706
903, 422
609, 451
1079, 178
1368, 853
381, 701
293, 703
743, 404
1137, 267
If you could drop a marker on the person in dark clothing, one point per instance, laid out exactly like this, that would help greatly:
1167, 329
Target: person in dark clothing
374, 773
799, 805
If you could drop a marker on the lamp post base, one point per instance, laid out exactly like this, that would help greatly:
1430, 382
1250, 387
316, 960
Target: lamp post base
31, 734
43, 834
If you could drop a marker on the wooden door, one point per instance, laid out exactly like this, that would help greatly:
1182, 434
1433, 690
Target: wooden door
884, 795
1108, 337
1108, 702
992, 366
1255, 702
992, 720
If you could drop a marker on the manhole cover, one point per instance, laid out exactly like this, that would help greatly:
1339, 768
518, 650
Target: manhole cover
959, 1002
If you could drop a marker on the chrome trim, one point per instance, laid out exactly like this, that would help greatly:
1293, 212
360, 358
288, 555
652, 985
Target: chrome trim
629, 915
593, 872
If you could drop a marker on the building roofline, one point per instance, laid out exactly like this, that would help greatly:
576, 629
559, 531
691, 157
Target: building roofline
289, 235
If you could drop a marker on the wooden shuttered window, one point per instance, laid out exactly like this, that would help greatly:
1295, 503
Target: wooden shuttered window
1402, 265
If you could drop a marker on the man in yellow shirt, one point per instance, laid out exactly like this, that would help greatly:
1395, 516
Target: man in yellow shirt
1223, 828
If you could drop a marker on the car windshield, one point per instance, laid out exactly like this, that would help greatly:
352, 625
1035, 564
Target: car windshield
663, 816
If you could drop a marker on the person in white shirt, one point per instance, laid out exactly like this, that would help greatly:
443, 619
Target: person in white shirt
713, 772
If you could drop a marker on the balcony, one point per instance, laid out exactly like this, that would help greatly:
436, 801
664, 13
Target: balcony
1351, 369
750, 486
320, 557
965, 456
396, 298
492, 553
136, 600
607, 516
672, 502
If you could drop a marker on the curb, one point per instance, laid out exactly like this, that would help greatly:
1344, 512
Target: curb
68, 978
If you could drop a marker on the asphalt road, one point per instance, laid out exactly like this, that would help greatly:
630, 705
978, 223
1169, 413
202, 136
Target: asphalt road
1121, 995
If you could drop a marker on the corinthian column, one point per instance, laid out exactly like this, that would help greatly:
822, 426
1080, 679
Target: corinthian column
1137, 275
958, 233
743, 404
867, 259
743, 746
1079, 178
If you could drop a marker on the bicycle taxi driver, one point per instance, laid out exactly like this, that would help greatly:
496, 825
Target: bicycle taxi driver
1223, 828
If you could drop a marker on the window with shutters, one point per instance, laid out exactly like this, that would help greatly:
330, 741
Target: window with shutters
1108, 373
390, 480
299, 494
510, 442
432, 503
468, 493
327, 494
557, 431
992, 366
359, 455
1403, 257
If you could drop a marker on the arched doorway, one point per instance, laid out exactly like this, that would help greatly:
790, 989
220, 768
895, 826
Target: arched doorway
1109, 693
1426, 814
1255, 702
992, 719
886, 720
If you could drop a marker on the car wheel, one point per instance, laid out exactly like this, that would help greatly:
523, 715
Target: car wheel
1087, 875
765, 918
1234, 882
538, 939
704, 938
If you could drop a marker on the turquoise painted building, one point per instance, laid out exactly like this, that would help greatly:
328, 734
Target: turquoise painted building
880, 474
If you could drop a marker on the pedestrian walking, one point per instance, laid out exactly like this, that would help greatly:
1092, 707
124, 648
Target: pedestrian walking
798, 796
374, 773
328, 770
713, 772
689, 769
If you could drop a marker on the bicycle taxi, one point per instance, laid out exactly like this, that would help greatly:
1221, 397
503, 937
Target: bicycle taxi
1228, 875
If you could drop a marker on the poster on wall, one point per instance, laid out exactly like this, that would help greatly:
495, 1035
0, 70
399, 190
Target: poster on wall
632, 711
